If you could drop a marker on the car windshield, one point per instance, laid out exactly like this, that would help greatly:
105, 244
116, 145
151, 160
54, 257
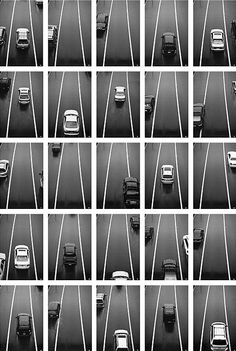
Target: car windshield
71, 124
22, 258
233, 159
23, 41
24, 96
219, 342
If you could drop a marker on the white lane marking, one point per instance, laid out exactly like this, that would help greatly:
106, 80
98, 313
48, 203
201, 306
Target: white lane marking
226, 248
127, 158
81, 34
107, 104
81, 177
32, 174
178, 179
129, 104
226, 177
155, 34
203, 33
177, 317
10, 318
107, 245
106, 40
204, 318
10, 246
32, 31
177, 104
225, 30
206, 87
9, 38
58, 104
32, 246
10, 104
10, 178
58, 178
155, 247
129, 248
59, 31
226, 105
107, 316
32, 104
81, 319
106, 180
226, 316
81, 247
177, 245
155, 176
177, 33
203, 176
155, 107
204, 245
81, 105
32, 315
155, 319
59, 319
58, 247
129, 34
129, 318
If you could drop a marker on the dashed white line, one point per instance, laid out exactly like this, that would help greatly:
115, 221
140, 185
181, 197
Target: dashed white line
155, 247
225, 30
127, 158
177, 32
10, 318
106, 40
59, 31
226, 177
155, 107
32, 104
155, 176
32, 174
129, 249
9, 38
59, 319
226, 317
58, 177
106, 179
81, 319
81, 105
177, 245
32, 246
10, 246
177, 104
81, 247
107, 316
178, 179
177, 317
129, 104
58, 247
10, 178
32, 31
204, 318
107, 104
81, 177
203, 33
155, 33
106, 251
81, 34
204, 245
10, 105
226, 105
32, 315
58, 104
226, 248
203, 177
155, 319
129, 34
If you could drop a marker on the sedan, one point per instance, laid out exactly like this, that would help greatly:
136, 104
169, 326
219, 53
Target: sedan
198, 236
22, 38
2, 265
54, 308
119, 94
198, 115
102, 22
71, 122
24, 324
231, 156
219, 336
167, 174
3, 35
4, 168
22, 257
217, 40
149, 104
24, 96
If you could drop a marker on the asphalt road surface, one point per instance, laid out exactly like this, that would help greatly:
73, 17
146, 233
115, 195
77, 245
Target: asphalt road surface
167, 242
119, 44
208, 15
213, 304
21, 189
21, 14
69, 91
117, 246
170, 114
158, 195
69, 228
215, 257
121, 311
215, 91
118, 119
73, 21
214, 180
73, 329
160, 335
17, 120
115, 161
21, 299
161, 17
69, 176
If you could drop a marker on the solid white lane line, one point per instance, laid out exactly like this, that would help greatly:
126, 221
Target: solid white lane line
10, 318
32, 315
155, 34
177, 317
32, 174
32, 246
107, 33
226, 177
106, 180
178, 179
32, 35
81, 176
177, 246
10, 246
10, 177
9, 37
129, 318
129, 104
81, 34
59, 319
81, 319
155, 176
127, 158
203, 33
177, 33
177, 104
204, 318
58, 177
226, 317
81, 247
129, 249
81, 105
226, 105
106, 251
129, 34
155, 107
10, 104
59, 31
203, 248
206, 87
155, 247
58, 247
107, 316
32, 104
225, 30
107, 104
58, 104
203, 176
226, 248
155, 319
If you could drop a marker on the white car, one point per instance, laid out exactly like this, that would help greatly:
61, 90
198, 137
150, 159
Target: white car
217, 40
120, 275
71, 122
120, 94
121, 340
24, 96
4, 168
185, 243
22, 38
22, 257
218, 337
167, 174
231, 156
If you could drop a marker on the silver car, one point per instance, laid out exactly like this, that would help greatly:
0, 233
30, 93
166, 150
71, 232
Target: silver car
217, 39
218, 337
167, 174
22, 257
24, 96
119, 94
231, 157
71, 122
22, 38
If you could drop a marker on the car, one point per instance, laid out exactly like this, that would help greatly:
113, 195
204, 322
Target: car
56, 148
4, 168
167, 174
231, 157
3, 35
198, 236
22, 38
185, 243
169, 267
217, 40
233, 28
39, 2
120, 94
71, 122
120, 275
102, 22
149, 231
135, 222
149, 104
24, 324
69, 254
54, 309
24, 96
219, 336
22, 257
121, 340
168, 44
100, 300
168, 313
234, 86
41, 179
5, 82
52, 34
198, 115
2, 265
131, 192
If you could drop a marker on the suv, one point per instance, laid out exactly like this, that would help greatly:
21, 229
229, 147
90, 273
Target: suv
149, 104
70, 256
24, 96
5, 82
22, 38
52, 34
169, 313
218, 337
121, 340
198, 236
168, 44
198, 115
100, 299
24, 324
169, 268
149, 231
3, 35
54, 308
135, 222
131, 192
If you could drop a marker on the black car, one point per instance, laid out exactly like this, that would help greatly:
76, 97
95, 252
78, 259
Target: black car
70, 255
131, 192
3, 35
54, 308
149, 104
5, 82
198, 115
135, 222
233, 28
198, 236
102, 22
149, 231
169, 313
168, 44
24, 324
56, 148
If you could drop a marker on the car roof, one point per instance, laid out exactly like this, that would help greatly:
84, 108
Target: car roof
71, 118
